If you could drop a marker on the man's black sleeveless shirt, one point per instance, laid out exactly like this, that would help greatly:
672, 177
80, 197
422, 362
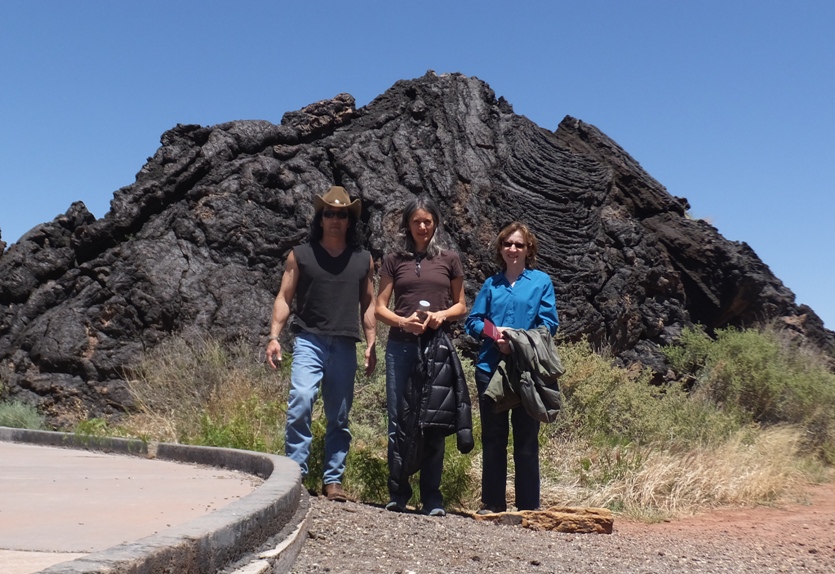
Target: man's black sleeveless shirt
328, 291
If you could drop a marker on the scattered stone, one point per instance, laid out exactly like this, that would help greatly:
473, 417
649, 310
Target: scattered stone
557, 518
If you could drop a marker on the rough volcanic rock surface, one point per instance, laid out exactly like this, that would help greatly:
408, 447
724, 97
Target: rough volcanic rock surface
196, 245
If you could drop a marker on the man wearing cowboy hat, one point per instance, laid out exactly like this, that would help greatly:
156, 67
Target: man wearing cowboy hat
330, 277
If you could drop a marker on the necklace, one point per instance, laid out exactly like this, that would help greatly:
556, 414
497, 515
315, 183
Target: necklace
418, 258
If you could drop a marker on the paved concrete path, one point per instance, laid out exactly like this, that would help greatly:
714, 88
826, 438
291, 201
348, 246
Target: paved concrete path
59, 504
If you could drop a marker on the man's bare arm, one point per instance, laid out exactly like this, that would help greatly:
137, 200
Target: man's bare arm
281, 308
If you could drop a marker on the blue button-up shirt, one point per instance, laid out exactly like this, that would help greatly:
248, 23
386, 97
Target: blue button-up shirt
527, 304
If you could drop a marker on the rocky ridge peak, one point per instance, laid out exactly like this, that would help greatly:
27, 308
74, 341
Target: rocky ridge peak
196, 245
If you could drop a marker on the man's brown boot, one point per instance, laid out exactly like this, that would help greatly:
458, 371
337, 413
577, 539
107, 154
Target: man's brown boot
334, 492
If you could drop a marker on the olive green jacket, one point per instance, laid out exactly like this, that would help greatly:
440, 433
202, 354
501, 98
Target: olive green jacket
529, 375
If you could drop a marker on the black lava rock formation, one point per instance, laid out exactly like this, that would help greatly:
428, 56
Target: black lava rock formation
196, 245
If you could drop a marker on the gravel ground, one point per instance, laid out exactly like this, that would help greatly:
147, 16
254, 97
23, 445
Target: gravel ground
358, 538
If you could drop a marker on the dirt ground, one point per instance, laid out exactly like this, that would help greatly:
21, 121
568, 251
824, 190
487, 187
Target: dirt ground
810, 525
789, 538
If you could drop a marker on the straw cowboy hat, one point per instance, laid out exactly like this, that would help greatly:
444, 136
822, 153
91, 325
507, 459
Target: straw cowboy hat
337, 197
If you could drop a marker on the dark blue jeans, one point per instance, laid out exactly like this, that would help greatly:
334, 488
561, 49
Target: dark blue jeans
495, 430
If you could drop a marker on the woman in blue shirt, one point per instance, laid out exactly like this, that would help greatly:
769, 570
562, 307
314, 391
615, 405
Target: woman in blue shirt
519, 297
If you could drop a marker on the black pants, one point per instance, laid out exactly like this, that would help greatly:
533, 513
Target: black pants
495, 430
431, 468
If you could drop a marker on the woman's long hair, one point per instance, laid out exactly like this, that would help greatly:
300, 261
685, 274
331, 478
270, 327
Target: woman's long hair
404, 234
352, 237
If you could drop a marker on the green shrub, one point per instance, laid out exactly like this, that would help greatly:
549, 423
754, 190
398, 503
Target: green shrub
618, 406
689, 355
313, 480
457, 481
95, 427
250, 424
763, 375
16, 414
745, 373
366, 472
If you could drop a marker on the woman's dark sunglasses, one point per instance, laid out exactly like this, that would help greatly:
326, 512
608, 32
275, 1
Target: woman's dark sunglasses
510, 244
330, 214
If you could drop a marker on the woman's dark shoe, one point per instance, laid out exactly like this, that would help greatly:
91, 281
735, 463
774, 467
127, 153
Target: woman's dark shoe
395, 506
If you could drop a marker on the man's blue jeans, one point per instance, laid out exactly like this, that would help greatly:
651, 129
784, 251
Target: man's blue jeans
400, 358
332, 362
495, 432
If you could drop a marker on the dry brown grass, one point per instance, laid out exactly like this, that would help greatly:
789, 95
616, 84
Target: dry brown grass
754, 467
185, 389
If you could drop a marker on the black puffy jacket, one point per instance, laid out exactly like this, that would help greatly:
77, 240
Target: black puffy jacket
436, 400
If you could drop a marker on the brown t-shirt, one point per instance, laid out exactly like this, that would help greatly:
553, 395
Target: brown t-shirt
433, 284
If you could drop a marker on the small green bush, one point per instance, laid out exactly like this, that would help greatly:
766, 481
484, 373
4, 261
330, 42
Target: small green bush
250, 424
617, 406
315, 460
366, 471
689, 355
95, 427
457, 481
15, 414
765, 376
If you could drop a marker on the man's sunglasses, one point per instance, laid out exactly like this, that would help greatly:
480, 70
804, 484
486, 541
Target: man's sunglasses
330, 214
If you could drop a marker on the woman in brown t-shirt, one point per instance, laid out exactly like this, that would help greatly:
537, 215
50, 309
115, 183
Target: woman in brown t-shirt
421, 270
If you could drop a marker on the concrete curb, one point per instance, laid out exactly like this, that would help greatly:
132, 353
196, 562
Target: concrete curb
274, 516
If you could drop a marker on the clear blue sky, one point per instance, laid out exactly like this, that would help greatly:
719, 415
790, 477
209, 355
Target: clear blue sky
728, 103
